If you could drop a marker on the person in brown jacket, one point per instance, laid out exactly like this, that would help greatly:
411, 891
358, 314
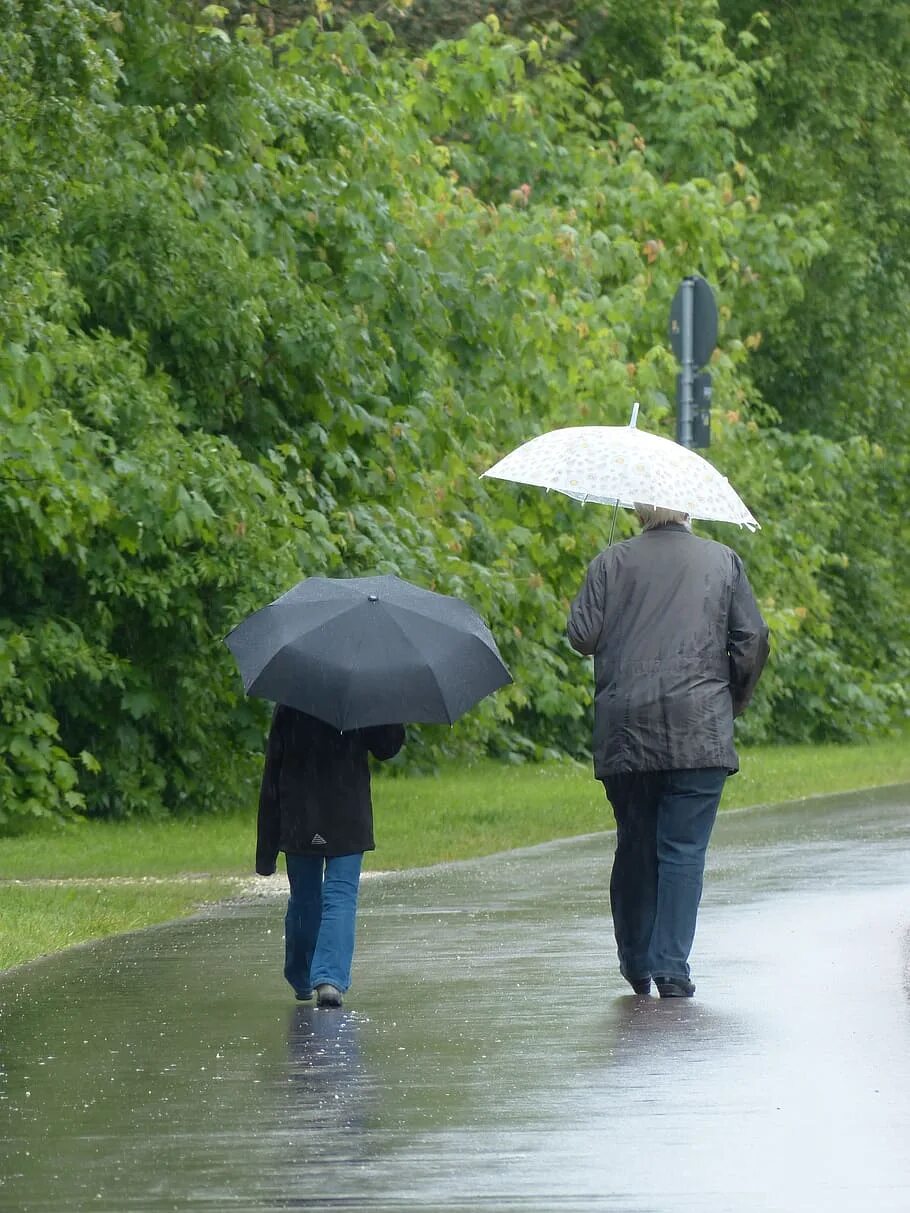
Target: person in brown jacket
315, 805
678, 644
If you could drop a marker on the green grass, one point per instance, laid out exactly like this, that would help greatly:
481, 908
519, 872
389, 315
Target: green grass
489, 807
210, 845
35, 920
460, 813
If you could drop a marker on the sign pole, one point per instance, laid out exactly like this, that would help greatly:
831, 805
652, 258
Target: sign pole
693, 335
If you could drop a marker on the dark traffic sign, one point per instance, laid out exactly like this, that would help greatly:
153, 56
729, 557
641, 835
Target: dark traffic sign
704, 322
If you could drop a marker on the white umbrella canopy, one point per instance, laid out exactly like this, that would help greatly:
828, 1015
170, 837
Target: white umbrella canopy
621, 465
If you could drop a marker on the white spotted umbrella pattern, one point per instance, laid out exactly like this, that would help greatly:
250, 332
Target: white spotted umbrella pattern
622, 465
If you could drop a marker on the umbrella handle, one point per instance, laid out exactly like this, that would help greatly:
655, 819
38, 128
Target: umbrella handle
633, 420
613, 526
632, 423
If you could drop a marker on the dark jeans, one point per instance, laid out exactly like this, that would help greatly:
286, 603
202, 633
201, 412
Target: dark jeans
663, 823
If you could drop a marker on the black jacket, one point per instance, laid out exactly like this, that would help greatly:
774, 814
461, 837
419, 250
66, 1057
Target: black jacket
678, 643
315, 794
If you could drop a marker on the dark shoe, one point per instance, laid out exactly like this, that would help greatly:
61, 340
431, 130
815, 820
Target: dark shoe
303, 995
328, 996
674, 987
641, 985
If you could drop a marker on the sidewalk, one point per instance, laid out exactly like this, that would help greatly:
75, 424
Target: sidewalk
489, 1057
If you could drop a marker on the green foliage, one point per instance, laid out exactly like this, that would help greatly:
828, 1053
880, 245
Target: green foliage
825, 133
268, 308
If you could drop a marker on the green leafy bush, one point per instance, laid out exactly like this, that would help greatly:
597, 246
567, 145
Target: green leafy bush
270, 305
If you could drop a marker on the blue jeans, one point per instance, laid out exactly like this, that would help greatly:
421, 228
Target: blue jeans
320, 920
664, 821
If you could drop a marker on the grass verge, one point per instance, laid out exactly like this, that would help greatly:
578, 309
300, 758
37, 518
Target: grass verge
459, 813
37, 919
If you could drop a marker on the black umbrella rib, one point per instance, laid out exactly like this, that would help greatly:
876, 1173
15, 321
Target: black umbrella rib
345, 703
278, 654
427, 657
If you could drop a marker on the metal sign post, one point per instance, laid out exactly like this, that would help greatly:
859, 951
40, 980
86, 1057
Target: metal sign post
684, 390
693, 335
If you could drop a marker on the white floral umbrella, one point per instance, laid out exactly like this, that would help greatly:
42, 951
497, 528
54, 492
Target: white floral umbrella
621, 465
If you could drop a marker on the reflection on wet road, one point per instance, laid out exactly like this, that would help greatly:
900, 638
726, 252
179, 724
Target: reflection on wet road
489, 1057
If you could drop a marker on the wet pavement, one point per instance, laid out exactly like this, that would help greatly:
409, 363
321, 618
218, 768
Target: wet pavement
489, 1057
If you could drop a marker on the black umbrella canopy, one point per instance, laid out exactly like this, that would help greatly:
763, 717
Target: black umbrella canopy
362, 651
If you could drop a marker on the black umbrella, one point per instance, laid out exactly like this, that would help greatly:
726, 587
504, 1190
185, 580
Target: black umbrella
361, 651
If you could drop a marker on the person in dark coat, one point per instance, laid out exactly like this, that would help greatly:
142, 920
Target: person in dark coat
678, 644
315, 805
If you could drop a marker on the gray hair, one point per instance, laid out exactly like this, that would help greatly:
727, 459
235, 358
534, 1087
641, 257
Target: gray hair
653, 516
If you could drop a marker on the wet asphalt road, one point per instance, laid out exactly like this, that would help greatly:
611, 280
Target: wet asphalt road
489, 1056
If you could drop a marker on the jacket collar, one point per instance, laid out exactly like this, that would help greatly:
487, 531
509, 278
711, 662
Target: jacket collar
668, 526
